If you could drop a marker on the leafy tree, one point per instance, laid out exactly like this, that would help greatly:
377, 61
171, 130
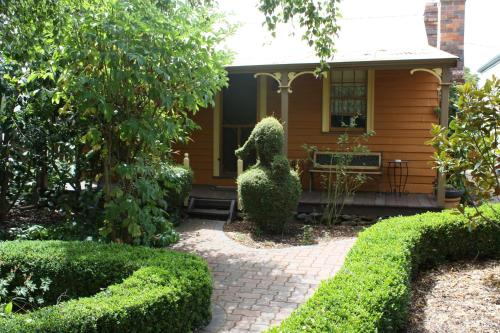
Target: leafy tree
33, 136
128, 74
135, 71
317, 17
471, 77
468, 151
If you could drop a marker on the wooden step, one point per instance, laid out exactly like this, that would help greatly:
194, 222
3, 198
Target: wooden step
212, 208
209, 212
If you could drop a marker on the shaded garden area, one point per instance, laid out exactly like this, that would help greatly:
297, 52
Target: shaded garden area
91, 105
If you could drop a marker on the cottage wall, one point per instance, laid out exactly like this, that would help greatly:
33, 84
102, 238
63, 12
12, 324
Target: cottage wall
404, 111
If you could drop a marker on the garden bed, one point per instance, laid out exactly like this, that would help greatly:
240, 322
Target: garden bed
296, 233
29, 215
457, 297
371, 292
109, 288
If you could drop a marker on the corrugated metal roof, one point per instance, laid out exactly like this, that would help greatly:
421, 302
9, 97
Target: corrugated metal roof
361, 39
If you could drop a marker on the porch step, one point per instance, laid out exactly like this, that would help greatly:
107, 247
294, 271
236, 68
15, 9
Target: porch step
212, 208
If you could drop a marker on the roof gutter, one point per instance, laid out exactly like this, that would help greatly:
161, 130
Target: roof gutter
490, 64
371, 64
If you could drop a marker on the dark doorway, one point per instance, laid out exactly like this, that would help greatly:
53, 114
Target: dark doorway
239, 115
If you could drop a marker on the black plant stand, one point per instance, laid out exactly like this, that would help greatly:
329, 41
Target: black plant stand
398, 175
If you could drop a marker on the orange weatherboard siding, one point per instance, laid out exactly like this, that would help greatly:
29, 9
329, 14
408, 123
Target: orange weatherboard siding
200, 151
404, 111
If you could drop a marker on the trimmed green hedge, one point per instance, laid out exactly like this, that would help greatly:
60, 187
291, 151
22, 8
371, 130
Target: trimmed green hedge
269, 191
371, 292
145, 290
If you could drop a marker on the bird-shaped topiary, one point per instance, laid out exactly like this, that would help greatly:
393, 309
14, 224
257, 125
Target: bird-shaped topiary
268, 191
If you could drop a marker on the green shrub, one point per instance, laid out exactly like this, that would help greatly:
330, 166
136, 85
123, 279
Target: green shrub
266, 139
371, 292
111, 288
269, 191
176, 181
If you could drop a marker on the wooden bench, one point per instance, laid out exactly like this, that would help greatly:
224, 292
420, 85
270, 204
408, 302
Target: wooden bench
365, 163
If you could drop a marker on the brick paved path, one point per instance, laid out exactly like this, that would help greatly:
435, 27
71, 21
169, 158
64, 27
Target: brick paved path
258, 288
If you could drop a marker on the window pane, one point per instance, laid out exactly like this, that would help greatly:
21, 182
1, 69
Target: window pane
360, 76
337, 76
358, 106
361, 91
348, 76
348, 98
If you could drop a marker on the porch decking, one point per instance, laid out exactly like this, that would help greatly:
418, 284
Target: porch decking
369, 203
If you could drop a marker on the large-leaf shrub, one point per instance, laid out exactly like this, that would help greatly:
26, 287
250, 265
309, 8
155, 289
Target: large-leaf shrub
128, 75
468, 151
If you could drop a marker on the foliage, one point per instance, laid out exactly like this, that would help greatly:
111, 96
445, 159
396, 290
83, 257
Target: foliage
471, 77
37, 145
18, 297
120, 80
176, 183
318, 19
30, 232
340, 184
269, 191
307, 236
468, 151
142, 104
371, 292
138, 212
110, 287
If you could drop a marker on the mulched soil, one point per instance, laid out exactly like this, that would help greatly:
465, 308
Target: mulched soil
25, 216
244, 232
457, 297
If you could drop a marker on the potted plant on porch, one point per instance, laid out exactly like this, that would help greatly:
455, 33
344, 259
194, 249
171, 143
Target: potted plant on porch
453, 193
452, 196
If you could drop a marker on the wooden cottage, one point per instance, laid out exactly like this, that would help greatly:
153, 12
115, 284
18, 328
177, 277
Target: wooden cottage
392, 80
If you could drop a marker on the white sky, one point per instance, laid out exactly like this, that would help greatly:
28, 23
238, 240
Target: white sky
482, 32
482, 22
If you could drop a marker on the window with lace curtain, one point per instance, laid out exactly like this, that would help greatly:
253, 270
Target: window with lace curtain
348, 99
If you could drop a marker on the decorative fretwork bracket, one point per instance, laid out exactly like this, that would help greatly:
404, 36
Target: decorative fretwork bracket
291, 77
436, 72
276, 76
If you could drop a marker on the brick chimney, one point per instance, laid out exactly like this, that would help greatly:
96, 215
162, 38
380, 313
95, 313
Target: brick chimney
444, 24
431, 22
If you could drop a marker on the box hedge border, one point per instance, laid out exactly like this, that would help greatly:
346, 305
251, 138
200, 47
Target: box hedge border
124, 288
371, 292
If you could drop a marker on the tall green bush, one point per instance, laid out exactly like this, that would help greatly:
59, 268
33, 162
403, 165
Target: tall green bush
468, 150
129, 75
36, 142
269, 191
